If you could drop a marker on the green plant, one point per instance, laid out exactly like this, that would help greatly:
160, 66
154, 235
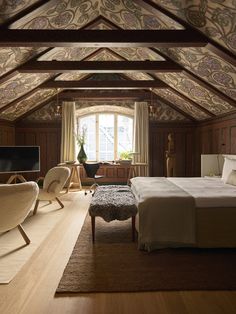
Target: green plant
81, 137
125, 155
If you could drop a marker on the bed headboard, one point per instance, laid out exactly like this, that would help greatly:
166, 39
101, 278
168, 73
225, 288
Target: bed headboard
212, 164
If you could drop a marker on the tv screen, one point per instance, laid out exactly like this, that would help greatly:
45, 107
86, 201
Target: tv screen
19, 159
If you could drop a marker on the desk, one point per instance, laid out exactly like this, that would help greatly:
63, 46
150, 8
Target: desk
133, 167
74, 175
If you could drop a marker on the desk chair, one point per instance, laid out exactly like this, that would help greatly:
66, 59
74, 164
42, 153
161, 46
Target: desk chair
91, 170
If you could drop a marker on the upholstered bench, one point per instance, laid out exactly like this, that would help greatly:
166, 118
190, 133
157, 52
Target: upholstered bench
113, 202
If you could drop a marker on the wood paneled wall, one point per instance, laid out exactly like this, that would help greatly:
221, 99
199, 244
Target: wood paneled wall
216, 137
7, 138
48, 137
184, 142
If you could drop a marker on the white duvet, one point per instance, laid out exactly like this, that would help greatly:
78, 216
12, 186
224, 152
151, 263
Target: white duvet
167, 207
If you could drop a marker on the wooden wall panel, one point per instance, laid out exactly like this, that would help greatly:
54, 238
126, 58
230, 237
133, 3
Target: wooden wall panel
7, 138
217, 137
184, 139
48, 137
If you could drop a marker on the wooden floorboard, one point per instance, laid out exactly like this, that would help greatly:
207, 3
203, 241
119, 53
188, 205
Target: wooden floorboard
33, 289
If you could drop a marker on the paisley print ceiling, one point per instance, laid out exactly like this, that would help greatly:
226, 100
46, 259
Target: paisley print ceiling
27, 104
215, 18
11, 8
11, 58
207, 66
205, 88
181, 103
75, 14
194, 91
19, 85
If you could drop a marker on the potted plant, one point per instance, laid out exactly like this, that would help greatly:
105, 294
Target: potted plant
125, 157
81, 138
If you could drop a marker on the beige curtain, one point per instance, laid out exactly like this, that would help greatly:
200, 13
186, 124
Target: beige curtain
141, 138
68, 141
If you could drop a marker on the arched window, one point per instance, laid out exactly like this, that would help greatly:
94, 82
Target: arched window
107, 134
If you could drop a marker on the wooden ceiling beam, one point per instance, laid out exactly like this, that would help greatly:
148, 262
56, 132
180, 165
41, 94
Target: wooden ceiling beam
99, 66
99, 38
92, 84
105, 95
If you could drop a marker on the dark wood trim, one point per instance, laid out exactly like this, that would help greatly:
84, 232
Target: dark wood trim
212, 45
100, 38
173, 106
220, 118
105, 95
99, 66
23, 125
89, 84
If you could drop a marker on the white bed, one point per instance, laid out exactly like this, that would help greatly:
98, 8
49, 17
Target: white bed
185, 212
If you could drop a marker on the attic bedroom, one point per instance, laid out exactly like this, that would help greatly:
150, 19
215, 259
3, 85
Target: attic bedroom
143, 94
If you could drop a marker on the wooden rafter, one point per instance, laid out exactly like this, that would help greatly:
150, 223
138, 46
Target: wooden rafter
105, 95
89, 84
100, 38
99, 66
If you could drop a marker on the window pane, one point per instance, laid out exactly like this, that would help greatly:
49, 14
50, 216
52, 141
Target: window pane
124, 133
89, 122
106, 137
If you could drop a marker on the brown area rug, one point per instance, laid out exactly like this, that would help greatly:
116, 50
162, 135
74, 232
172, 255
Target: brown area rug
114, 264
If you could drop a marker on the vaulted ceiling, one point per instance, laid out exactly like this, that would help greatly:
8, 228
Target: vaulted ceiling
183, 51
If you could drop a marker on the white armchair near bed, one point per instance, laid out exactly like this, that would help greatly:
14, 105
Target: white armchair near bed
53, 184
16, 202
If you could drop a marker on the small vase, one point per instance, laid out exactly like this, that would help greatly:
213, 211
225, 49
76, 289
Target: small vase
82, 157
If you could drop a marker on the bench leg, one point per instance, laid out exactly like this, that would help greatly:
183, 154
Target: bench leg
93, 228
133, 228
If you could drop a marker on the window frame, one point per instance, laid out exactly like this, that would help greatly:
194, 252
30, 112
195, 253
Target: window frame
116, 114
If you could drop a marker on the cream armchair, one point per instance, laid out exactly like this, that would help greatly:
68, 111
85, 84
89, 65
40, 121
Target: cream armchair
16, 201
53, 184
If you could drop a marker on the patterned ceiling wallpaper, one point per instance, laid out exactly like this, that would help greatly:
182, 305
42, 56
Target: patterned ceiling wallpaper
197, 93
27, 104
165, 113
129, 15
69, 53
68, 14
181, 103
10, 8
137, 54
44, 114
208, 66
19, 85
11, 58
75, 14
215, 18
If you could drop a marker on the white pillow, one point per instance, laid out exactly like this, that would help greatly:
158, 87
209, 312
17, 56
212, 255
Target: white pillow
229, 165
231, 178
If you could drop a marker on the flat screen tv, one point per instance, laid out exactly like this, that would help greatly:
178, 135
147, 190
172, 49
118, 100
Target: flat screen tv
15, 159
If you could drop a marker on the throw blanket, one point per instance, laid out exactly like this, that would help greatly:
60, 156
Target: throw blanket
166, 214
113, 202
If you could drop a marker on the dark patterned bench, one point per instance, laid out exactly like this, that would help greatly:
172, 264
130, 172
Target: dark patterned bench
113, 202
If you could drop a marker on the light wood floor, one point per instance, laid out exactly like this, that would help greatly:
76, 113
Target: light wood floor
32, 290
